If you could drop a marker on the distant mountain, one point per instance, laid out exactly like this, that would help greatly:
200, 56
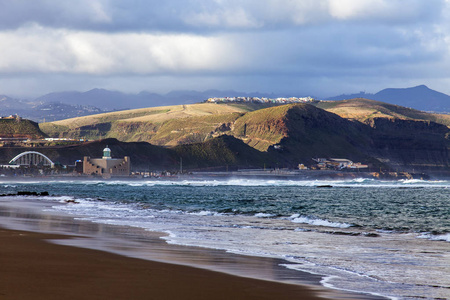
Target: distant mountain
113, 100
104, 99
362, 95
71, 104
420, 97
10, 106
40, 111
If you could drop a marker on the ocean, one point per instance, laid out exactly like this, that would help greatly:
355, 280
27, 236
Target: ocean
385, 238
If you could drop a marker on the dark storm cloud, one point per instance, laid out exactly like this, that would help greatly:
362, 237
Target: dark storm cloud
203, 15
266, 44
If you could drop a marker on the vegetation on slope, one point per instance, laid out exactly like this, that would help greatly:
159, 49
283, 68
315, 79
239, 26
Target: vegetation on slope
365, 110
208, 135
314, 132
224, 151
263, 128
170, 125
20, 128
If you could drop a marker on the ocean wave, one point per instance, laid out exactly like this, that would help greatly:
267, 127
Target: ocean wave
233, 181
264, 215
206, 213
436, 237
296, 218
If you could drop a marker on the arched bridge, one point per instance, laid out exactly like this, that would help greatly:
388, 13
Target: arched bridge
31, 158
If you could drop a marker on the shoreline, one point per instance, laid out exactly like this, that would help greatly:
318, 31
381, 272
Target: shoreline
72, 247
35, 269
246, 175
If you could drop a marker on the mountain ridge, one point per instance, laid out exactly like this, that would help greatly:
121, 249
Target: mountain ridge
63, 105
419, 97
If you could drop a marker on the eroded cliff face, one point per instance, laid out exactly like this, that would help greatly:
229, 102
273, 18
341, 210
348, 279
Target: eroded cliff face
410, 144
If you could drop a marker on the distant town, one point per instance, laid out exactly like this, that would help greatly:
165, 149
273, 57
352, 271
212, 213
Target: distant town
260, 100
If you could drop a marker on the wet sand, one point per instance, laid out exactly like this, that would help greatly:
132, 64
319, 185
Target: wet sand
45, 255
32, 268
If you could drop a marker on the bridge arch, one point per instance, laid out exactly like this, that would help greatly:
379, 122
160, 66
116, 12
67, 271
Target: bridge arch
31, 158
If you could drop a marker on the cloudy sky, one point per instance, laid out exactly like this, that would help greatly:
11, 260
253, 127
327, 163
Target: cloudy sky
297, 47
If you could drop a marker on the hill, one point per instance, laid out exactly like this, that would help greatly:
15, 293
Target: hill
19, 128
70, 104
220, 153
225, 135
44, 111
420, 97
365, 110
165, 125
115, 100
224, 152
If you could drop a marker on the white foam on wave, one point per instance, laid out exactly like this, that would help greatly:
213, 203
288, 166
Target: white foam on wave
264, 215
327, 282
436, 237
354, 183
60, 199
206, 213
335, 275
296, 218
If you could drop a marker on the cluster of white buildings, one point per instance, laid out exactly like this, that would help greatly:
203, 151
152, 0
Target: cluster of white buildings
261, 100
338, 164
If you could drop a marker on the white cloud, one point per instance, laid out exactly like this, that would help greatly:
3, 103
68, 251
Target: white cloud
207, 15
38, 49
346, 9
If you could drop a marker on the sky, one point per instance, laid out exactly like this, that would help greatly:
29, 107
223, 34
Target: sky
317, 48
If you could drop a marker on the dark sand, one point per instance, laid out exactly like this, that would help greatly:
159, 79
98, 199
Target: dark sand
32, 268
131, 263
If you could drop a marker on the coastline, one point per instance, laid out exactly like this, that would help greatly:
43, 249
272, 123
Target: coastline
66, 268
35, 269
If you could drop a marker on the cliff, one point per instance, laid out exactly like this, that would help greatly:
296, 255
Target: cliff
419, 145
381, 135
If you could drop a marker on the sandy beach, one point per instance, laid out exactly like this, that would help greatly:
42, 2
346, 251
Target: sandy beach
45, 254
33, 268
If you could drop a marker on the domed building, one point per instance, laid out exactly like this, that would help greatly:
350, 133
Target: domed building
106, 166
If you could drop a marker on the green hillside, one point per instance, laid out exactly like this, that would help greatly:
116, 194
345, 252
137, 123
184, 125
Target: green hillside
224, 151
169, 125
262, 128
20, 128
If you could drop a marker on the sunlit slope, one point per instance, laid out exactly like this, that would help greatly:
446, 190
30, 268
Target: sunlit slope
365, 110
300, 130
220, 135
20, 128
167, 125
